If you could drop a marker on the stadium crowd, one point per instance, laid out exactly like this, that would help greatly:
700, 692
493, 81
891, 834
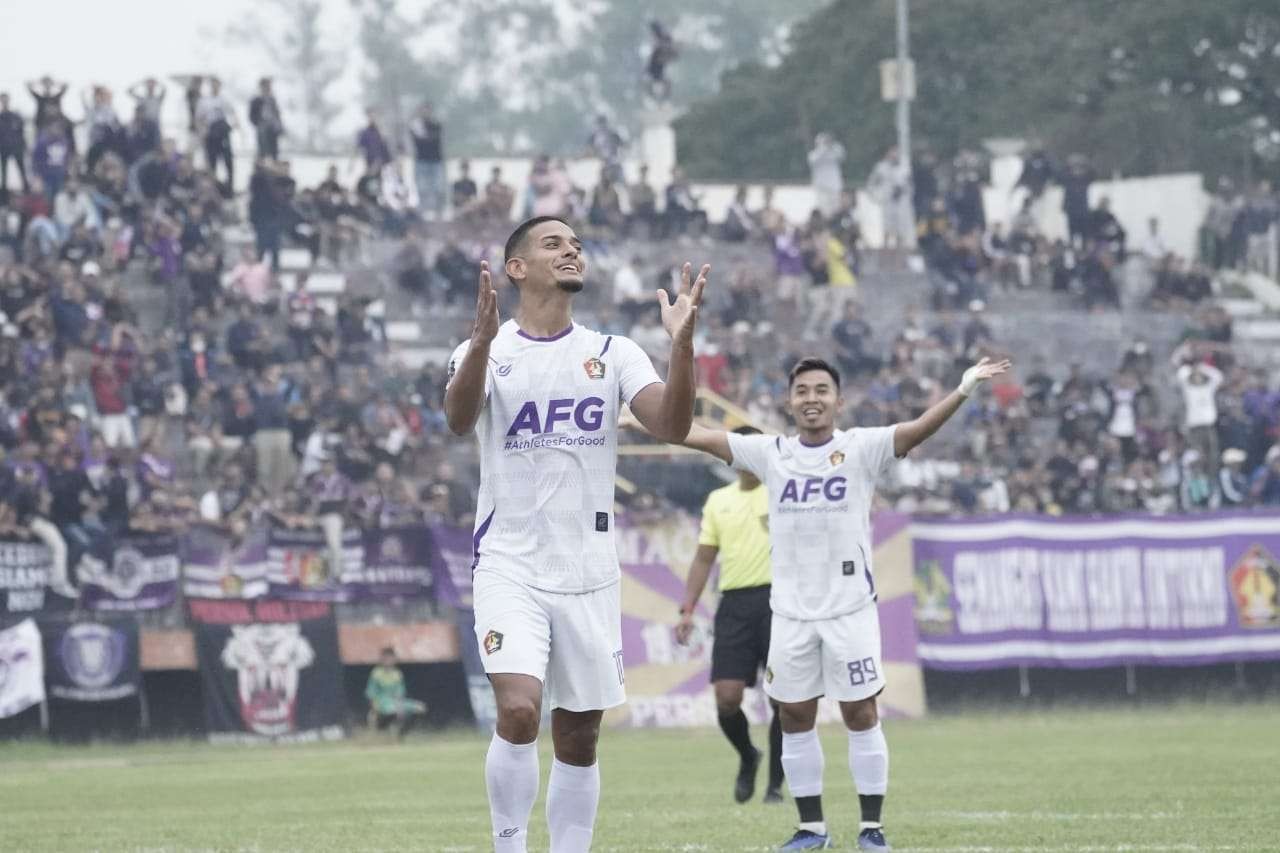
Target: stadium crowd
251, 401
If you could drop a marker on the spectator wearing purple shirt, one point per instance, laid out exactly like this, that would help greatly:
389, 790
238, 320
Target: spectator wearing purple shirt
51, 158
372, 144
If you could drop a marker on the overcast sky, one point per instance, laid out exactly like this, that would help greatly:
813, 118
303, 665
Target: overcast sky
121, 41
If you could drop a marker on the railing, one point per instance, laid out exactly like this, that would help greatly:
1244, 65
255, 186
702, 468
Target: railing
709, 409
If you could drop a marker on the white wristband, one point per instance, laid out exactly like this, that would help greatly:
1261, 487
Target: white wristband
967, 385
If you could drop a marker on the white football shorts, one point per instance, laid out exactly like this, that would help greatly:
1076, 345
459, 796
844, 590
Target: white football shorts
572, 643
839, 657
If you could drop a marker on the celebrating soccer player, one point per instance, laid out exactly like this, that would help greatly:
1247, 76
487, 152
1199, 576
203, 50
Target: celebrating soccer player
543, 395
825, 638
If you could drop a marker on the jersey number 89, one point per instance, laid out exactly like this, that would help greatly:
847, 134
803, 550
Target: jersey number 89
862, 671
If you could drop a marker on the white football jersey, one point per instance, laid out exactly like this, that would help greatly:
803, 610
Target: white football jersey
548, 437
819, 516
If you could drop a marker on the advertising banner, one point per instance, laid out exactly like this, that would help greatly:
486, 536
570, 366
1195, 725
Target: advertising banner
93, 661
269, 670
1076, 592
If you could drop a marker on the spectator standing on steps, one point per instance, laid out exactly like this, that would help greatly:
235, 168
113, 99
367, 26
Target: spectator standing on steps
1199, 382
215, 120
890, 185
826, 161
372, 144
426, 136
13, 146
264, 115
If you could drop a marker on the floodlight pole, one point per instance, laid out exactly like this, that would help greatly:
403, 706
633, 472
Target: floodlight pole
904, 102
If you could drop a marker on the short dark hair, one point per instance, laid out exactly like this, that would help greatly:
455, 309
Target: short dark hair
813, 363
522, 230
387, 650
746, 430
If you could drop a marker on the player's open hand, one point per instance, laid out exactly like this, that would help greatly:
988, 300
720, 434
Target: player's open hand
486, 325
680, 317
981, 372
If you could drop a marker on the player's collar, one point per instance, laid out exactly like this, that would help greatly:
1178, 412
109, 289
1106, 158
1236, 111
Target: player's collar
557, 336
802, 443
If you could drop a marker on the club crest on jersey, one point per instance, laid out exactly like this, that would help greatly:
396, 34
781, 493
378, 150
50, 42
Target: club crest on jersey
492, 642
594, 368
836, 457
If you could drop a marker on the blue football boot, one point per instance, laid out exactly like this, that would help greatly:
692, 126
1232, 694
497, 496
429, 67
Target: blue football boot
872, 838
806, 840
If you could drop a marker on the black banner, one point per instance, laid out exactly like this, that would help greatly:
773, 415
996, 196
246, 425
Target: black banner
93, 661
26, 566
269, 669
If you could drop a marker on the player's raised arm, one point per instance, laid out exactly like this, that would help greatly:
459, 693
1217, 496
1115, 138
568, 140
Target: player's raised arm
464, 396
909, 434
666, 410
712, 441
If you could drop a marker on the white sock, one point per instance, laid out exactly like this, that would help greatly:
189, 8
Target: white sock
511, 776
572, 796
869, 760
802, 762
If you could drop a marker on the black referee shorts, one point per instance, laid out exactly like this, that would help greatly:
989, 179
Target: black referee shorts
741, 641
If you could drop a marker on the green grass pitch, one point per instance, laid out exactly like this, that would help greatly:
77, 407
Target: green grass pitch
1168, 779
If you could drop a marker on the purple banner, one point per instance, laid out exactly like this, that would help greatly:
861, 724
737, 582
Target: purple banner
1076, 592
397, 561
134, 572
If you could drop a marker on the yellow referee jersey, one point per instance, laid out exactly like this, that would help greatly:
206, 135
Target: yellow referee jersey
736, 522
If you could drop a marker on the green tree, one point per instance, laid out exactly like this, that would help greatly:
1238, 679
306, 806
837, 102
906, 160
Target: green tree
527, 75
1142, 86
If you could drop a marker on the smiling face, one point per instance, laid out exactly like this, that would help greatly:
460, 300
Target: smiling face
814, 400
549, 256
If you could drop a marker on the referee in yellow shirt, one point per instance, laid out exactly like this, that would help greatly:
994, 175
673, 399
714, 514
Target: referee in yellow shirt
735, 528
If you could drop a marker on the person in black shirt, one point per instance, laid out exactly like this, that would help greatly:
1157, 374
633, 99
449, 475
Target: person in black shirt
264, 115
464, 190
71, 492
13, 146
48, 96
1075, 197
427, 136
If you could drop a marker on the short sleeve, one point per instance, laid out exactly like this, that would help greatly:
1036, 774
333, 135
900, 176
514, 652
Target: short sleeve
455, 361
875, 445
751, 452
635, 370
709, 533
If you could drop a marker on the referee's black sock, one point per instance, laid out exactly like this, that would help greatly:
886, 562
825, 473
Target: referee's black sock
738, 731
775, 752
